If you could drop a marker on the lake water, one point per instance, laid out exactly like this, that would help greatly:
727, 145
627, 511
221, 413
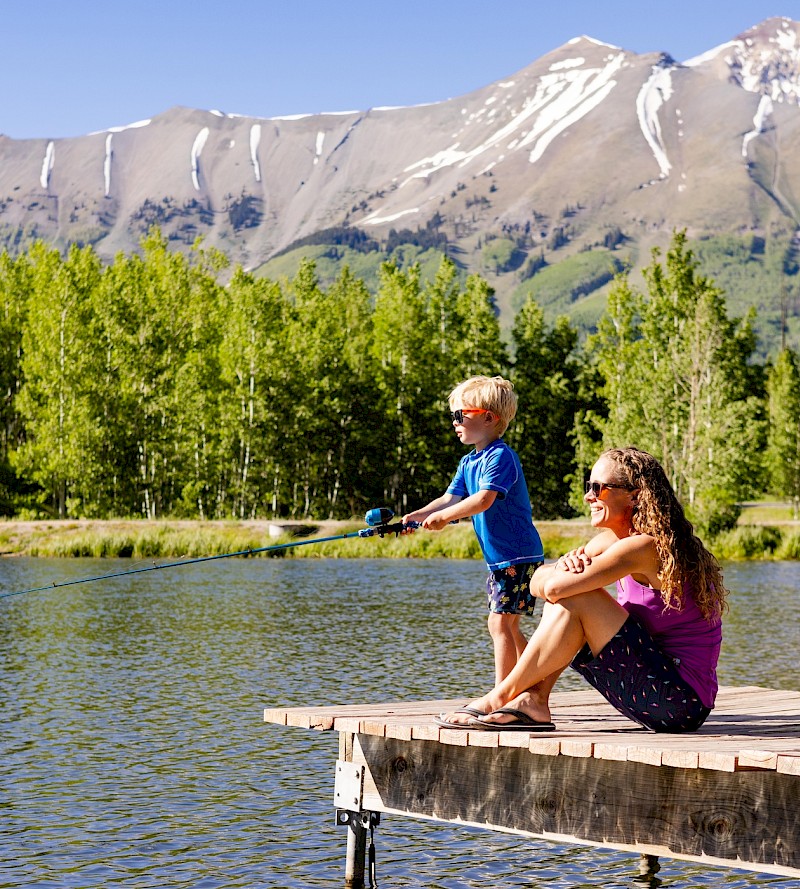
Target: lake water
133, 751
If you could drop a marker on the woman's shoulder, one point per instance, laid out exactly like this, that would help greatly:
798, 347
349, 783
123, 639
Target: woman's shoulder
607, 540
634, 555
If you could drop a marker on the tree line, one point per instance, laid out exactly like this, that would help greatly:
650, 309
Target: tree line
148, 388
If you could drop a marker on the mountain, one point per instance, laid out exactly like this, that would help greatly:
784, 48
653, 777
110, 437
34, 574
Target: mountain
581, 161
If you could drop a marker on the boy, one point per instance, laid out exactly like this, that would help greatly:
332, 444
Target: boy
490, 488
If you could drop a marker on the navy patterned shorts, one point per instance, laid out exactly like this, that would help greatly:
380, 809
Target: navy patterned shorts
634, 675
508, 590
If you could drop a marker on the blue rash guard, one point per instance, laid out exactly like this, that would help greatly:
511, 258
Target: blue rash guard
505, 530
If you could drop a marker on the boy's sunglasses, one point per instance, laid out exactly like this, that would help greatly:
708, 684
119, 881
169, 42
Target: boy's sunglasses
458, 415
596, 488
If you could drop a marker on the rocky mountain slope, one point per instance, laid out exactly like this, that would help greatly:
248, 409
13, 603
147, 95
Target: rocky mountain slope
590, 145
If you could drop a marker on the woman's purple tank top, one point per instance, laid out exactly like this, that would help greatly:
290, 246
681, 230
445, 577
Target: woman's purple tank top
684, 635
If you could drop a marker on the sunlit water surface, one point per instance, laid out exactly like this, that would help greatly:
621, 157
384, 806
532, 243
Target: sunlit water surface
133, 751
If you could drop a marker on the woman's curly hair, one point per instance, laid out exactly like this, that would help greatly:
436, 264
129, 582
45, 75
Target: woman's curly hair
685, 562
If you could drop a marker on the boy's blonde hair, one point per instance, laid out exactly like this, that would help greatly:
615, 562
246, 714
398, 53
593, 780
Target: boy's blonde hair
494, 394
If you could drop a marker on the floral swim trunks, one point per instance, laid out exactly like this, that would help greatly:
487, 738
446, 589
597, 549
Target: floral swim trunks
508, 590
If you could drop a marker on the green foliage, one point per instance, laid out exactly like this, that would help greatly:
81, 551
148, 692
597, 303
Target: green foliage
428, 238
748, 542
783, 437
340, 235
546, 379
244, 211
330, 261
557, 286
789, 547
59, 364
501, 255
758, 272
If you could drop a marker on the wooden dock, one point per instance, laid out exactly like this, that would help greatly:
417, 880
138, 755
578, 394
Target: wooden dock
727, 795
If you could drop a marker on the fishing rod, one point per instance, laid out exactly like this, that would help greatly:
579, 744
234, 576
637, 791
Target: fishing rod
377, 521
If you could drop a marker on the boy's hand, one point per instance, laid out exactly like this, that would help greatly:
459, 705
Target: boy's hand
410, 524
435, 522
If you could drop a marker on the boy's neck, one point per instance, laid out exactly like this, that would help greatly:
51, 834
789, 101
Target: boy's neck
485, 442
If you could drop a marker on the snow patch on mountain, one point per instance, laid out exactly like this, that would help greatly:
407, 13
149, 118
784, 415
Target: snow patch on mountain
763, 112
318, 146
375, 219
765, 60
127, 126
561, 98
591, 40
709, 55
771, 68
320, 114
107, 165
655, 92
197, 150
567, 63
47, 164
566, 98
255, 141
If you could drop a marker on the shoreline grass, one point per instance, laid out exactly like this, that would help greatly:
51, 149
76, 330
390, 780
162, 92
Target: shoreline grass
189, 539
139, 539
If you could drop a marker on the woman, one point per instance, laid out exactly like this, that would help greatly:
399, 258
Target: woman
653, 651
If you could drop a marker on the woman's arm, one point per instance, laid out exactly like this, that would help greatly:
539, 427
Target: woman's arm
630, 555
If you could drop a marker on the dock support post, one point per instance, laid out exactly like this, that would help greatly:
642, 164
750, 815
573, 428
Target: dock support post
355, 865
358, 823
648, 868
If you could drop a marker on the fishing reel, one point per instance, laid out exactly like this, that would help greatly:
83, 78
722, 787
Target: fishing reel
378, 520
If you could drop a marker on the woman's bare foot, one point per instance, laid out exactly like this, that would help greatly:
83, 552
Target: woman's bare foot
468, 714
529, 703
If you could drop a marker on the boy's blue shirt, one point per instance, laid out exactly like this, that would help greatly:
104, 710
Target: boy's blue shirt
505, 530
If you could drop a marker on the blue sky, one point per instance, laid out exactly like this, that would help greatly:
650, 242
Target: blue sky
70, 68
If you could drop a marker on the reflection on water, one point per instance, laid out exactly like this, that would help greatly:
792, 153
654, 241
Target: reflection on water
133, 753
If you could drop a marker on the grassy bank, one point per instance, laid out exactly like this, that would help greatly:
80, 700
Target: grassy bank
186, 539
190, 539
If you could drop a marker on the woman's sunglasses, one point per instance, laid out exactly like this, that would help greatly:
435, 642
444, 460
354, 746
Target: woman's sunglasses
596, 488
458, 415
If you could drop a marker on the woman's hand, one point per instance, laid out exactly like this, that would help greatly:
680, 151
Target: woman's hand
575, 561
